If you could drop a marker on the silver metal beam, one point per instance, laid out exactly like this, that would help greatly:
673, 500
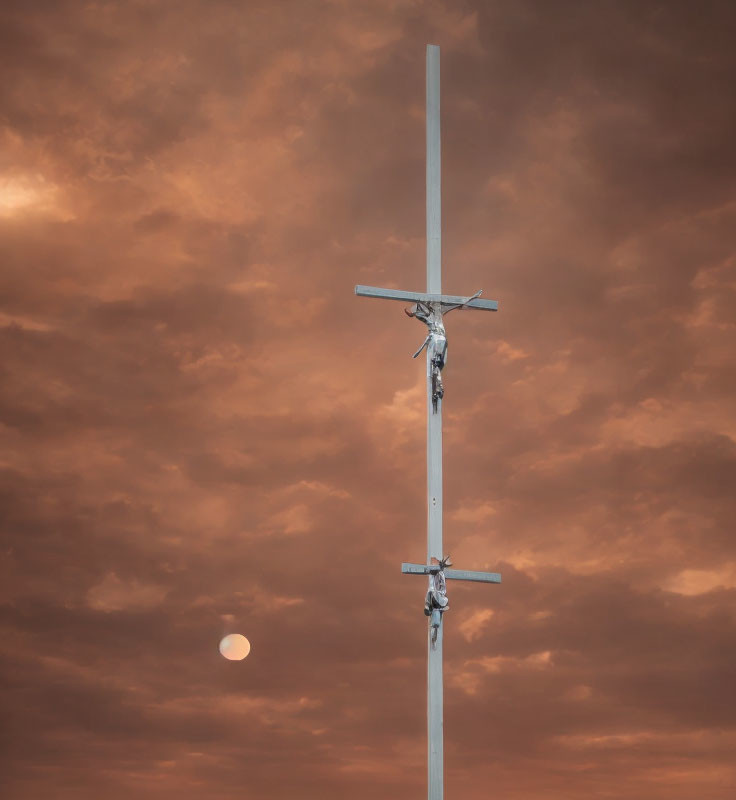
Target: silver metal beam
424, 297
452, 574
435, 724
434, 172
468, 575
419, 569
441, 304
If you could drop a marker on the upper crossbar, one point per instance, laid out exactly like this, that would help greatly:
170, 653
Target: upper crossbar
423, 297
454, 574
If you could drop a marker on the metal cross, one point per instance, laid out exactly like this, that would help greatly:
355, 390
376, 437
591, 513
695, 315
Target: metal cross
429, 307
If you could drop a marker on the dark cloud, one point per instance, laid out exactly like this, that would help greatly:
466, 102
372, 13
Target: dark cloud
204, 431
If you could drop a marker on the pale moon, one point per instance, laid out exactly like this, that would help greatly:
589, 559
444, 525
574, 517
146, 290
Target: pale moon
234, 647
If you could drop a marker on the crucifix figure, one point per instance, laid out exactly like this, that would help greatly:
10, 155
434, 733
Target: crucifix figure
436, 342
429, 307
436, 602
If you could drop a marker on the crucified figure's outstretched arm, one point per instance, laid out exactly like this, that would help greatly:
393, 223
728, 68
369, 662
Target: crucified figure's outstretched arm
447, 309
424, 344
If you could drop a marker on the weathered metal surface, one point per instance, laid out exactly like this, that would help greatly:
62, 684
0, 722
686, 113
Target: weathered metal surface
435, 725
426, 297
419, 569
435, 716
467, 575
434, 172
451, 574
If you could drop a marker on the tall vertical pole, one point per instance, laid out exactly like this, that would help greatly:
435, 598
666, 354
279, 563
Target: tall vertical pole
435, 755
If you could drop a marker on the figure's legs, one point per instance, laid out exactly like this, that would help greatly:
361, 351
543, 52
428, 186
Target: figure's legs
439, 387
434, 624
438, 390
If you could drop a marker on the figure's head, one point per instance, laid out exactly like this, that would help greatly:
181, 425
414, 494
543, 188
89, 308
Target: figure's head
419, 310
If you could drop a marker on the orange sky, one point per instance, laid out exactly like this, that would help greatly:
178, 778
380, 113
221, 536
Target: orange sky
204, 431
